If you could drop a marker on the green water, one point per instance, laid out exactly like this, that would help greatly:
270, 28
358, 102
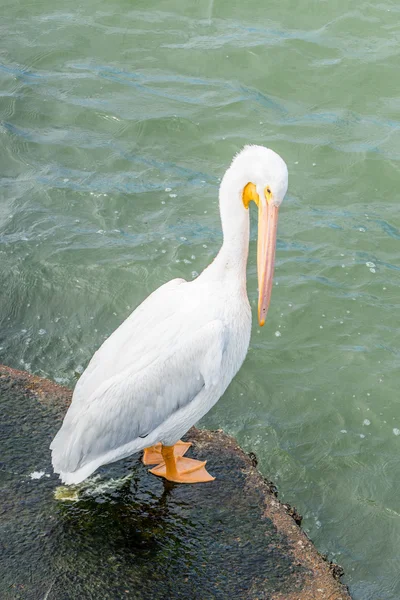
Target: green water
117, 121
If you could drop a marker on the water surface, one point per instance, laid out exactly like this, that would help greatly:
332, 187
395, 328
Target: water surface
116, 123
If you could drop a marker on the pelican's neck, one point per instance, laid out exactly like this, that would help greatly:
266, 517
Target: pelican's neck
232, 257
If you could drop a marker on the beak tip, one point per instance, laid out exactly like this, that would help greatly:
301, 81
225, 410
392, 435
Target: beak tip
261, 322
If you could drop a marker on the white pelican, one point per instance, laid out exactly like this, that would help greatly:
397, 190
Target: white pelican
175, 355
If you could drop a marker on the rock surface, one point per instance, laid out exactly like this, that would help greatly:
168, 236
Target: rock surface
133, 535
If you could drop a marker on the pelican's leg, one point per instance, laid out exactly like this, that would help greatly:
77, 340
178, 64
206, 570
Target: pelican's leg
152, 455
181, 469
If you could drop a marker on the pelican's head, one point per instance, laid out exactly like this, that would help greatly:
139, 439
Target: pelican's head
262, 176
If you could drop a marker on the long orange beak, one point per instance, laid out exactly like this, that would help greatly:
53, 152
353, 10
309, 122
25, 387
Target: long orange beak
267, 227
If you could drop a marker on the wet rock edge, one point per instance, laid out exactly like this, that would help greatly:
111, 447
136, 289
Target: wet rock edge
323, 579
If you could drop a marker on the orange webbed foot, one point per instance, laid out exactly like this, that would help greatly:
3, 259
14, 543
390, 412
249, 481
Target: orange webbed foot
152, 455
180, 469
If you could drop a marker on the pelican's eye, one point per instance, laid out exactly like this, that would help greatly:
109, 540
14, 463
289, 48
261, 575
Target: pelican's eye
268, 193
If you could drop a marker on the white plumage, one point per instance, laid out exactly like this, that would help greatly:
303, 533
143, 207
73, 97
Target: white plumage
171, 360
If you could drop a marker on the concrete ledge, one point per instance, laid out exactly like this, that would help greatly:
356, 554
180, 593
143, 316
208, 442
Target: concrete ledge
132, 535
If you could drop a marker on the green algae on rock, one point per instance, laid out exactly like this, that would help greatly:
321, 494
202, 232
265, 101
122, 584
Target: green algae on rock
134, 535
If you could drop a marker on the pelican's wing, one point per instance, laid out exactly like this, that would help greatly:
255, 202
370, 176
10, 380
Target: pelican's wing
131, 344
134, 403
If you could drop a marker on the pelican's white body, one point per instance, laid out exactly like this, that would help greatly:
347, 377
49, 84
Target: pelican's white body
174, 356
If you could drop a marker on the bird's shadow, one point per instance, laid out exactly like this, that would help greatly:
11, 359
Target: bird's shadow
136, 514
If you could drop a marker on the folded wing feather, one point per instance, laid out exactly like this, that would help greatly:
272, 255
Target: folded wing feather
133, 403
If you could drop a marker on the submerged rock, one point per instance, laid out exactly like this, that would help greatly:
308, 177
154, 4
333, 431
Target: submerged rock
127, 534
